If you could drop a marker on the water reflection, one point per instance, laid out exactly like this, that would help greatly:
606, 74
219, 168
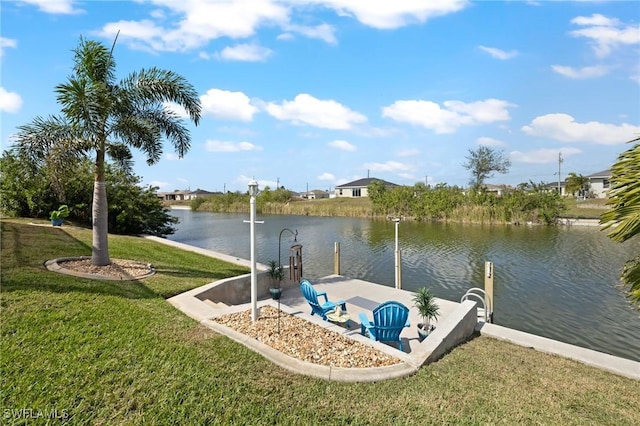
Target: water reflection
560, 282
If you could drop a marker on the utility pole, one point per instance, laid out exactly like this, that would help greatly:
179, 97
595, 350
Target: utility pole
277, 183
559, 176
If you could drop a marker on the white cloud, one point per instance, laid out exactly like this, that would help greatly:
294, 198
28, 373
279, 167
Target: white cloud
498, 53
176, 109
201, 22
343, 145
486, 141
63, 7
9, 101
450, 116
385, 14
324, 32
408, 153
6, 42
226, 105
327, 114
171, 156
389, 166
563, 127
605, 33
581, 73
159, 184
245, 52
327, 176
285, 37
224, 146
542, 156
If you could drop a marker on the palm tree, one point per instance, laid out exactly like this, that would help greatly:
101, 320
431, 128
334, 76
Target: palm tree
104, 117
575, 183
624, 199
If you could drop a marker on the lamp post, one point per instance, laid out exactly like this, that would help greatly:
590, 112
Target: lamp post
253, 191
398, 265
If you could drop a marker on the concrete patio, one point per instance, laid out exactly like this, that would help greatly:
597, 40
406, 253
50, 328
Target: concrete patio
457, 322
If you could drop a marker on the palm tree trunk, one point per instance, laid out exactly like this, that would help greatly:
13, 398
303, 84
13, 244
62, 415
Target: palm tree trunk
100, 215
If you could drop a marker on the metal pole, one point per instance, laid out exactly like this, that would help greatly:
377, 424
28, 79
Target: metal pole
254, 278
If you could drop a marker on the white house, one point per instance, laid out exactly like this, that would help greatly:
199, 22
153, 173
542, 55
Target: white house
599, 183
358, 188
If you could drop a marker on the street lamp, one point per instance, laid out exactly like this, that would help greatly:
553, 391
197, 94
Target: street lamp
398, 265
253, 191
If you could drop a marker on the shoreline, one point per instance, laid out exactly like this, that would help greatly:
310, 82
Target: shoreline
564, 221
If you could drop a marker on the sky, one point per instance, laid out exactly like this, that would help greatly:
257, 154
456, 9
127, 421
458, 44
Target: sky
310, 94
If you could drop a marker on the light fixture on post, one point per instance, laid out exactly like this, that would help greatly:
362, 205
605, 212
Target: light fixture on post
253, 192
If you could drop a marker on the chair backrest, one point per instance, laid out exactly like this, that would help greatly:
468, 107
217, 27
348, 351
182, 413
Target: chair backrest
309, 293
389, 319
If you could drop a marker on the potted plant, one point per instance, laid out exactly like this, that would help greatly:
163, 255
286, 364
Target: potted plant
428, 309
57, 216
276, 273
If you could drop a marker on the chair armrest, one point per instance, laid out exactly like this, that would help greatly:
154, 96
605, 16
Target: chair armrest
323, 294
364, 321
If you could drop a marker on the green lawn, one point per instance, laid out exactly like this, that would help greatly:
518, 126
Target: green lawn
585, 209
116, 353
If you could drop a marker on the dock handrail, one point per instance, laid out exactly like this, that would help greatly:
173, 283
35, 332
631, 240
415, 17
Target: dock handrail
486, 310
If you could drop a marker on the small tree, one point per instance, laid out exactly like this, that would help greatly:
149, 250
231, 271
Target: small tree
624, 199
482, 162
575, 183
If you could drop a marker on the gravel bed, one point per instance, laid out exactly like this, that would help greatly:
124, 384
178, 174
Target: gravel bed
119, 268
306, 341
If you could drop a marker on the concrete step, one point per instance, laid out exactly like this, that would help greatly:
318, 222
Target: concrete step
217, 305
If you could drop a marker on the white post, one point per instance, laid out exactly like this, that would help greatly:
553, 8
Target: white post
397, 255
253, 189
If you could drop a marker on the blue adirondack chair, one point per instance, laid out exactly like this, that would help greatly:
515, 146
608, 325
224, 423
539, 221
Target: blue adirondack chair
389, 318
311, 294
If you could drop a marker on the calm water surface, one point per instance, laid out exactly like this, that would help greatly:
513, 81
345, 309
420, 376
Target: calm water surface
556, 282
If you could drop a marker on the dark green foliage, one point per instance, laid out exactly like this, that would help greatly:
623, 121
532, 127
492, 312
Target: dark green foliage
27, 192
133, 209
530, 202
24, 190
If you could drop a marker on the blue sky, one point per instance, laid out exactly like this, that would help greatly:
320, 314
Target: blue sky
316, 93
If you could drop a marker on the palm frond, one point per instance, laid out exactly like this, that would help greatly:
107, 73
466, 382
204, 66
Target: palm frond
121, 156
156, 86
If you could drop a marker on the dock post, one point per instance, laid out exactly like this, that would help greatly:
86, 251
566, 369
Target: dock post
488, 288
336, 258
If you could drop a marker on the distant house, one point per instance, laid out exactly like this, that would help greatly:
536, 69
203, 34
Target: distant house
358, 188
183, 195
316, 194
553, 186
499, 190
599, 183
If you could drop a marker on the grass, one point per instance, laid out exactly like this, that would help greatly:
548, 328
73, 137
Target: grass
116, 353
587, 209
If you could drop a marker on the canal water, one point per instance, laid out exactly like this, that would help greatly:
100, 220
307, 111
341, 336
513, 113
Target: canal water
557, 282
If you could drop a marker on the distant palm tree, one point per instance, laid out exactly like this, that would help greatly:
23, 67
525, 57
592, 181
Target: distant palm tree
101, 116
624, 199
576, 183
